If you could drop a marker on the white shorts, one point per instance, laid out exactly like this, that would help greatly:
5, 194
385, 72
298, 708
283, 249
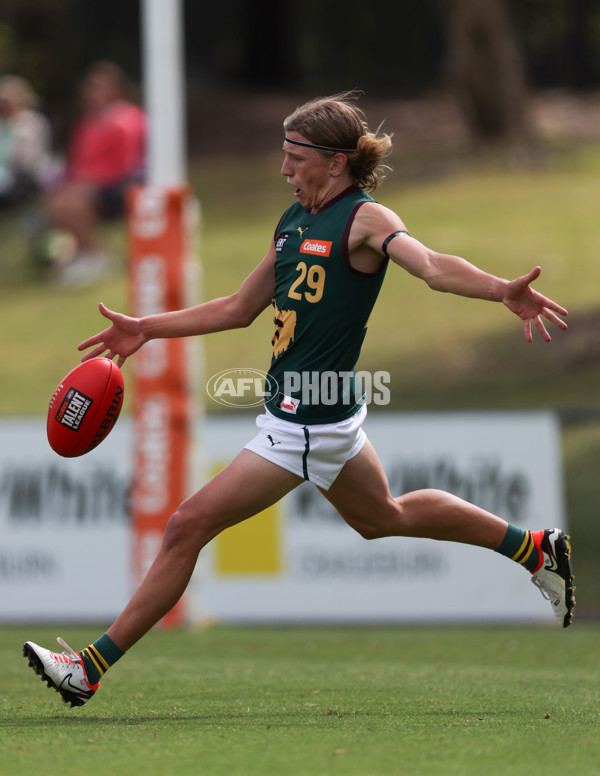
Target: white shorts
317, 452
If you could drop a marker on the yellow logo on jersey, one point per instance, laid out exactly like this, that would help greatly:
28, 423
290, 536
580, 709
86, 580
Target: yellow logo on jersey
285, 325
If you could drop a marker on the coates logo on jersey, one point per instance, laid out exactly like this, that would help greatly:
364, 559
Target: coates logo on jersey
316, 247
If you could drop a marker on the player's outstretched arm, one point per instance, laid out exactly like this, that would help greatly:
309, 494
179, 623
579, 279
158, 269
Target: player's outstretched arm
452, 274
126, 335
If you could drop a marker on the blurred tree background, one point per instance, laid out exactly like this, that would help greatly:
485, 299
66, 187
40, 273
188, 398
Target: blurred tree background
489, 54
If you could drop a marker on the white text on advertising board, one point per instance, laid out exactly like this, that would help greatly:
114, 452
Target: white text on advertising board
150, 282
153, 450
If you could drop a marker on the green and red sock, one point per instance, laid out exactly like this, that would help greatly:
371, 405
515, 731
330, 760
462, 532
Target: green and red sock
99, 657
523, 547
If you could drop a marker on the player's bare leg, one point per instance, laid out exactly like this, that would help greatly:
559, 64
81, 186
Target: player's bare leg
247, 486
361, 494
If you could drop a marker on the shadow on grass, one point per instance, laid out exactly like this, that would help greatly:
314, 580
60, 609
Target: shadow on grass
44, 721
274, 718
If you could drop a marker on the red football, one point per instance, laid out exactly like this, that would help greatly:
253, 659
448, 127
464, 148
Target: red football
85, 407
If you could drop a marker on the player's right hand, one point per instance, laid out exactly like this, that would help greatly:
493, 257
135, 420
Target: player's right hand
121, 339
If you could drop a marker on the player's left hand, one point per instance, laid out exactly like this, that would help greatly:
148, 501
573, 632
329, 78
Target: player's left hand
529, 305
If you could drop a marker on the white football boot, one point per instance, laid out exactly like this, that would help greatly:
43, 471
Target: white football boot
62, 671
554, 577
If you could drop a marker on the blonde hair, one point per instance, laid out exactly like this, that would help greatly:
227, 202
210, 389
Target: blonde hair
337, 122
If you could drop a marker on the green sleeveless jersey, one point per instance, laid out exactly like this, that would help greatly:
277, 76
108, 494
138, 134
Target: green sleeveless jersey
321, 309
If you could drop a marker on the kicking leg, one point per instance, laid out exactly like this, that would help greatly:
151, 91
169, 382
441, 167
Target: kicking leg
362, 496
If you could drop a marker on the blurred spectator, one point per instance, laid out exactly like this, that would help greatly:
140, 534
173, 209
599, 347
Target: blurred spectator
106, 154
24, 143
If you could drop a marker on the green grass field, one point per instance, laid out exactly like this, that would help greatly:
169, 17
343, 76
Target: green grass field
425, 701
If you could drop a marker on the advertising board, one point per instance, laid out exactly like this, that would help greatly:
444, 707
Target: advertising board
65, 537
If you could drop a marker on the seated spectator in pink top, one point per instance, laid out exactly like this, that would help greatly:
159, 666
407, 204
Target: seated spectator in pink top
106, 155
